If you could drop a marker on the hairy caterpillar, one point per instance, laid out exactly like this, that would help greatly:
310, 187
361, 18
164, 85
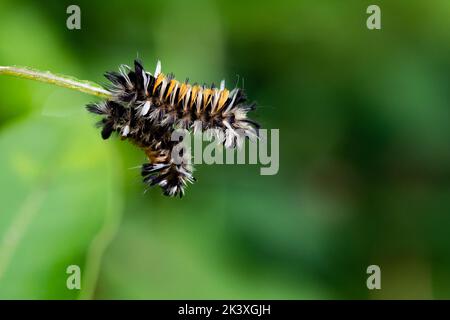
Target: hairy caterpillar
146, 108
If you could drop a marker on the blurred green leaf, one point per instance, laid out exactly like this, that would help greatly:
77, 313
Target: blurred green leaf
60, 206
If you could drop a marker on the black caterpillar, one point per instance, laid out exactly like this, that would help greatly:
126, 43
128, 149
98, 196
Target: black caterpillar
147, 108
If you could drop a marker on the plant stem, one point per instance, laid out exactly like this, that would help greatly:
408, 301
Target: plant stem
56, 79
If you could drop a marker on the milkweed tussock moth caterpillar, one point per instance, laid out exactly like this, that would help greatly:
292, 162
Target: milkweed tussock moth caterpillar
146, 108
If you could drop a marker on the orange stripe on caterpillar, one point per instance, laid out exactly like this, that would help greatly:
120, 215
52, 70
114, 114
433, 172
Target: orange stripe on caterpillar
158, 81
194, 92
171, 86
206, 97
223, 98
183, 90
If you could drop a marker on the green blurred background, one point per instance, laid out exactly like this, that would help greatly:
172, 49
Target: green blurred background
364, 154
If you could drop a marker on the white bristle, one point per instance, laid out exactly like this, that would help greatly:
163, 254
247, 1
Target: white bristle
146, 107
158, 69
126, 131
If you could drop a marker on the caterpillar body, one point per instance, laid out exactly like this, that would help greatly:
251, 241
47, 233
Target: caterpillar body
146, 108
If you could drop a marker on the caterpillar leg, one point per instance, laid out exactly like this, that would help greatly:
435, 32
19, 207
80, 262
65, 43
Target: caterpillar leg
172, 178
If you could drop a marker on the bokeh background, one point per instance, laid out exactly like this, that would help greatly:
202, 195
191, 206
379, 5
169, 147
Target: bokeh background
364, 154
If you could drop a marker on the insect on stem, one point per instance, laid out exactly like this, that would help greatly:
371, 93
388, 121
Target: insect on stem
56, 79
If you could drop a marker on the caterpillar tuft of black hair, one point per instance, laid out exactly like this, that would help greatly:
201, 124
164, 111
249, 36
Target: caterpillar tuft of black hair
146, 108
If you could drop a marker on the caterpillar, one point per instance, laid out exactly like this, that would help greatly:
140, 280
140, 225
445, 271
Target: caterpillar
146, 108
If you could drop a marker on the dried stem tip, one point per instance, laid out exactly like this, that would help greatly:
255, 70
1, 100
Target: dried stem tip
56, 79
